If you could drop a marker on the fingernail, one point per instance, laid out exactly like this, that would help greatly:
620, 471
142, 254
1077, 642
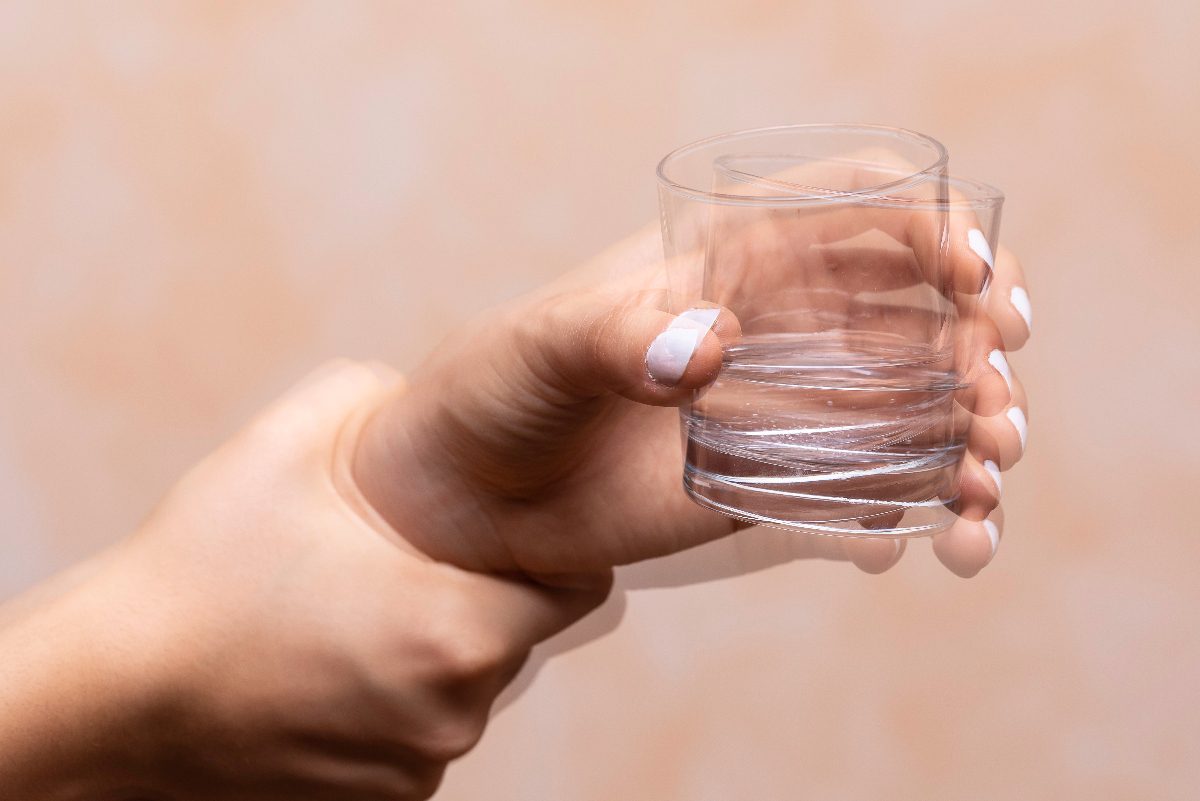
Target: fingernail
1020, 301
994, 471
993, 534
996, 360
668, 355
699, 319
1017, 418
978, 243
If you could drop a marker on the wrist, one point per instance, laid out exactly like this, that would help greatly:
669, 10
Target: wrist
402, 463
83, 691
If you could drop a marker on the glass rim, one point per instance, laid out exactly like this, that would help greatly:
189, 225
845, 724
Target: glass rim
983, 194
973, 194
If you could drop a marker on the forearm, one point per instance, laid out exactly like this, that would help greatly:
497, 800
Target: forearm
73, 706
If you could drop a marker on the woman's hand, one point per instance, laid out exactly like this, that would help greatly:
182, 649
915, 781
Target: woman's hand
327, 606
264, 636
543, 438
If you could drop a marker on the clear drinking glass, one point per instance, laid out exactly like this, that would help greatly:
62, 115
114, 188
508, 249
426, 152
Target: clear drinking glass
855, 266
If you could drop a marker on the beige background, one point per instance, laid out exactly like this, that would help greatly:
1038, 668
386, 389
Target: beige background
198, 201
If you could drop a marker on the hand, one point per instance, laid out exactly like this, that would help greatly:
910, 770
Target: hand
536, 440
295, 620
264, 636
996, 434
891, 268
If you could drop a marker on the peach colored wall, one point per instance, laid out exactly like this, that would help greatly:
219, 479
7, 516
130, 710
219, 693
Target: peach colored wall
200, 200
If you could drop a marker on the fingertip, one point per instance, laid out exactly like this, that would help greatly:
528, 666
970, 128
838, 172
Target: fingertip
1001, 437
874, 555
979, 488
705, 364
1020, 423
671, 354
583, 346
993, 471
999, 362
1018, 296
987, 375
993, 534
990, 390
687, 354
1009, 303
1009, 308
967, 547
977, 241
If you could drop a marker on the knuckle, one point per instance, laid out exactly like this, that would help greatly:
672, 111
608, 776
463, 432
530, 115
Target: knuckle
559, 339
537, 330
467, 657
406, 777
462, 649
449, 739
422, 782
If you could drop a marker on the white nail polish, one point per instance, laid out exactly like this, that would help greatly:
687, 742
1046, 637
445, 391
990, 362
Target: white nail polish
993, 470
996, 360
668, 355
978, 243
1017, 418
1020, 301
993, 534
698, 319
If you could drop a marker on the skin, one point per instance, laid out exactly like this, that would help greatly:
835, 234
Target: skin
328, 606
544, 417
264, 636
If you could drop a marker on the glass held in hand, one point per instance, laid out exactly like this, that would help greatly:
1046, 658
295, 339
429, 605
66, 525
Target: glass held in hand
856, 267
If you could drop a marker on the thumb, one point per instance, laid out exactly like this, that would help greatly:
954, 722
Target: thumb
583, 345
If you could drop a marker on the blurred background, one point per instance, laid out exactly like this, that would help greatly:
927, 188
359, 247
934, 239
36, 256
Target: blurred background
199, 201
